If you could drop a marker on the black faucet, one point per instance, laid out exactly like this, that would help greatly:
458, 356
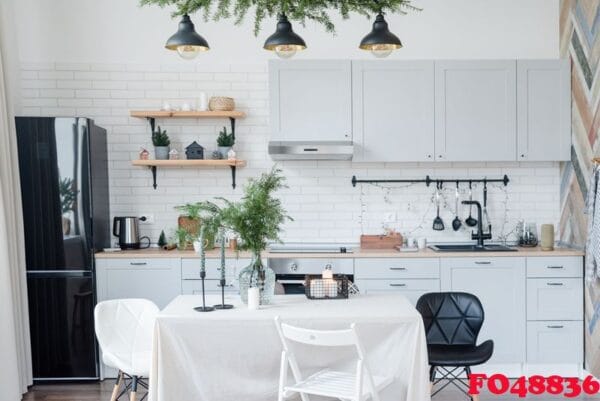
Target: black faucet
480, 236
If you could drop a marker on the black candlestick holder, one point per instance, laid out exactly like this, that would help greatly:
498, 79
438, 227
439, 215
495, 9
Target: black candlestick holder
203, 308
223, 305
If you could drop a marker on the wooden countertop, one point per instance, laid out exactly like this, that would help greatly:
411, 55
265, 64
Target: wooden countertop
358, 253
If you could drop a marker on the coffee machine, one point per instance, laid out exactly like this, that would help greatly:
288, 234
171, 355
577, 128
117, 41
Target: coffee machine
126, 229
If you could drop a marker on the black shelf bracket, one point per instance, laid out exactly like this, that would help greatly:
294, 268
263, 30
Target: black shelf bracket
152, 122
233, 176
428, 181
153, 169
232, 121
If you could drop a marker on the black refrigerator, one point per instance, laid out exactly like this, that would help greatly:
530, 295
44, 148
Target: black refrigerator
64, 186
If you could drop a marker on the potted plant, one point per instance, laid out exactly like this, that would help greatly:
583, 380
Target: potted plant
183, 239
225, 142
257, 220
190, 220
161, 143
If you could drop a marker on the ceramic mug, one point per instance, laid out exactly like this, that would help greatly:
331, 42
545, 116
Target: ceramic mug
422, 242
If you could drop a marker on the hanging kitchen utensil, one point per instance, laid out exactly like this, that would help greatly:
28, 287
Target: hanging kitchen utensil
486, 217
470, 221
456, 223
438, 223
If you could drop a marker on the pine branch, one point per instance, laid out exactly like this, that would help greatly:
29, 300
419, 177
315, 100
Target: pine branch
296, 10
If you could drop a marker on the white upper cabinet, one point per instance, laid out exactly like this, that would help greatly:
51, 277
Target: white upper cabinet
475, 110
393, 111
544, 110
311, 100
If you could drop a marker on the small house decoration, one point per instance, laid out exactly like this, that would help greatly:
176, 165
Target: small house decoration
144, 154
173, 154
194, 151
231, 154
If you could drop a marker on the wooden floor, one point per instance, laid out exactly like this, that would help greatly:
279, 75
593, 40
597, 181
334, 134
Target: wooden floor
102, 391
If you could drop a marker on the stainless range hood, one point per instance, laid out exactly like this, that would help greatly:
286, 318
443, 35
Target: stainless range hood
311, 150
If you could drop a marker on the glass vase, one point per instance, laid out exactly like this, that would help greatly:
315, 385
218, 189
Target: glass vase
256, 274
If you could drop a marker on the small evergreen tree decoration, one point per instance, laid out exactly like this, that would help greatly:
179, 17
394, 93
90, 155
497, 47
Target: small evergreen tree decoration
160, 138
162, 239
224, 139
297, 10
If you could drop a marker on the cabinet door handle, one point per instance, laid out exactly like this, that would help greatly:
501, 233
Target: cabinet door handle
397, 268
397, 285
555, 327
483, 263
555, 267
556, 284
138, 263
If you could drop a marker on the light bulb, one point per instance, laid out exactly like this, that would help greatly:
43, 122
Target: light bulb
285, 51
382, 50
188, 52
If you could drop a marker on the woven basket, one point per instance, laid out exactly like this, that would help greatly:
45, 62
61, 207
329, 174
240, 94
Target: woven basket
218, 103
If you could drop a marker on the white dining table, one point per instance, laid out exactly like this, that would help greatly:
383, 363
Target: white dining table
235, 354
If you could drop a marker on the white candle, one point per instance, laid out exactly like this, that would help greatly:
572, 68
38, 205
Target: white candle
202, 102
331, 287
253, 298
327, 273
316, 288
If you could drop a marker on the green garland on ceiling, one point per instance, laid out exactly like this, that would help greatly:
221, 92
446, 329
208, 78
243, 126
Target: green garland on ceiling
297, 10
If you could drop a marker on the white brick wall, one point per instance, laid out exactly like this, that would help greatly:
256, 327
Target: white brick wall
320, 197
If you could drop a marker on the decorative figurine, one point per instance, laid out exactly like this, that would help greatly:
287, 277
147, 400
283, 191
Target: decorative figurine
231, 154
216, 155
173, 154
194, 151
144, 154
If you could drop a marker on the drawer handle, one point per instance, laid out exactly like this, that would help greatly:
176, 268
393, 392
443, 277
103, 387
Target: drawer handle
138, 263
397, 285
555, 284
555, 267
397, 268
226, 285
483, 263
555, 327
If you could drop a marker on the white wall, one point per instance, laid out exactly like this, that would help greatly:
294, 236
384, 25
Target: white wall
102, 59
120, 31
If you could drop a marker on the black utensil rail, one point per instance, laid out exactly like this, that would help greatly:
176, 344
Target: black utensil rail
428, 181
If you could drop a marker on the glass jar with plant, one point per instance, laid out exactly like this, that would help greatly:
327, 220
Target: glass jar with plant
161, 143
225, 142
257, 219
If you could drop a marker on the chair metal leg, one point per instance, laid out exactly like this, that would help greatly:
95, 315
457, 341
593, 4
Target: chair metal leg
117, 386
134, 384
432, 371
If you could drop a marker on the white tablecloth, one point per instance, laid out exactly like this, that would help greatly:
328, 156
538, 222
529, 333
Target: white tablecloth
235, 354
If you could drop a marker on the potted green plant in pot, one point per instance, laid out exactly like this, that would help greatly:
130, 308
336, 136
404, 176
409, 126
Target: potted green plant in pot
190, 220
257, 220
161, 143
225, 142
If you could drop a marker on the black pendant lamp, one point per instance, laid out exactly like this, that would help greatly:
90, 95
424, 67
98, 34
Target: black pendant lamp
284, 42
380, 41
186, 40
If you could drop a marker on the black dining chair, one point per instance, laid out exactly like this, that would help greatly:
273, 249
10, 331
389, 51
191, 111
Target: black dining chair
452, 322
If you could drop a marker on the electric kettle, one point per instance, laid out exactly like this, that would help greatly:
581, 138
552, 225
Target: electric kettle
128, 232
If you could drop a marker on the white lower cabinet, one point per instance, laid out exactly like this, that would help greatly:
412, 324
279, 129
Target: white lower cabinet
554, 299
500, 285
156, 279
190, 274
555, 342
410, 277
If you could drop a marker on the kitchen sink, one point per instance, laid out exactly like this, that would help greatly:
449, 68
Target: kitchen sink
472, 248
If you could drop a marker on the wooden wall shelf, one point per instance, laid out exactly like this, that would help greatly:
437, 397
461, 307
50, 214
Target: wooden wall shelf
186, 114
154, 164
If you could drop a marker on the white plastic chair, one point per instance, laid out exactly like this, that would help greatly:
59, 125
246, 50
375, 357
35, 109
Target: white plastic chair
327, 383
124, 328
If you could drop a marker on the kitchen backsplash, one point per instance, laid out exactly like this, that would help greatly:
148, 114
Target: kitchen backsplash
320, 197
